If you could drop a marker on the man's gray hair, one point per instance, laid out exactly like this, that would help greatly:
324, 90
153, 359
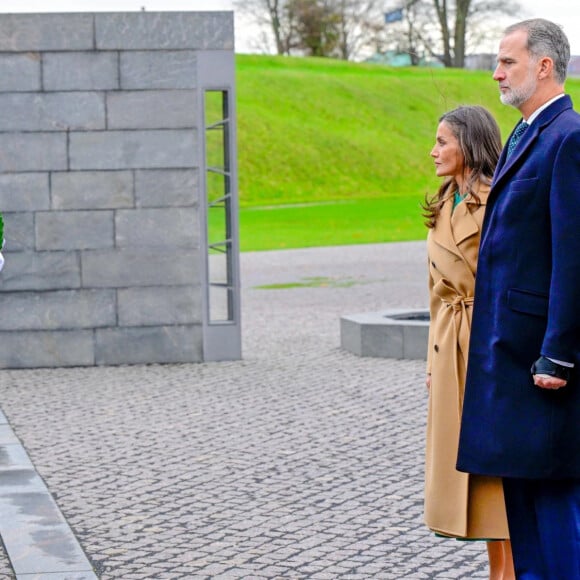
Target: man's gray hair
546, 38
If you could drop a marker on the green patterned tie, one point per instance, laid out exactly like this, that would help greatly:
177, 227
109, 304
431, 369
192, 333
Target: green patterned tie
516, 137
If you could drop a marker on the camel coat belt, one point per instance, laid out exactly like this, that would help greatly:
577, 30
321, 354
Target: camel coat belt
459, 306
456, 504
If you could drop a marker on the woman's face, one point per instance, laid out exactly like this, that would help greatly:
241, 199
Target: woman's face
447, 154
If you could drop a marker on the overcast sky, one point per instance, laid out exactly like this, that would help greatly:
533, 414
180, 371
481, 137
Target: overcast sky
563, 12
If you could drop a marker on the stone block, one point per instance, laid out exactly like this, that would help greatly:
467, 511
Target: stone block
37, 349
158, 227
151, 110
7, 439
59, 309
350, 335
383, 342
213, 66
158, 70
18, 233
365, 338
164, 30
100, 185
401, 334
80, 71
38, 32
167, 187
157, 306
24, 192
35, 533
20, 72
52, 111
152, 344
92, 189
40, 271
74, 230
133, 149
139, 267
32, 152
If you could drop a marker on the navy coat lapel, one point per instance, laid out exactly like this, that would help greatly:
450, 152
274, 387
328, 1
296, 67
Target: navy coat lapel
525, 305
527, 139
506, 167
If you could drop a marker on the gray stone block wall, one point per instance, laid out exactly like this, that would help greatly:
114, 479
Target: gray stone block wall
100, 149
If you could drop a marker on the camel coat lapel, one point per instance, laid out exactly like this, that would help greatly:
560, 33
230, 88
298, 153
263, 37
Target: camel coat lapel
450, 495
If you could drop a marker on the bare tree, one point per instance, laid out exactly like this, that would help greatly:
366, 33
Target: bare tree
317, 26
276, 17
416, 31
449, 29
487, 21
310, 27
340, 28
359, 22
468, 21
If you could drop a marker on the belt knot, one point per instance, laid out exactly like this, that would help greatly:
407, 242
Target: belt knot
460, 302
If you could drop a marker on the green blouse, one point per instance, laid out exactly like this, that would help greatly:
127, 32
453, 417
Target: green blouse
458, 198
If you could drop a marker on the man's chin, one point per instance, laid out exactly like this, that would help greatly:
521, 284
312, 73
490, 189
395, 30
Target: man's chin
508, 99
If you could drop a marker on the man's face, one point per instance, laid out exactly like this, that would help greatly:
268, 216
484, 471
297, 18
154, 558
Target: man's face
516, 70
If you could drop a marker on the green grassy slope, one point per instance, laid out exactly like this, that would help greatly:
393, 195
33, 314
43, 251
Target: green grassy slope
320, 130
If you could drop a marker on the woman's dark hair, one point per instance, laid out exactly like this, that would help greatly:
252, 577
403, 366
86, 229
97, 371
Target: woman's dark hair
479, 138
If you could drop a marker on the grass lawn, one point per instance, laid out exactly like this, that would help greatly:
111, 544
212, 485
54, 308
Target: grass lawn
334, 153
357, 221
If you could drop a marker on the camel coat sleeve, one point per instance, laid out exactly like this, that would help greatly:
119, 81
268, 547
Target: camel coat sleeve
456, 504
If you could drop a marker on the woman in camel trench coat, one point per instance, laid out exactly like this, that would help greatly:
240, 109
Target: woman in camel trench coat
459, 505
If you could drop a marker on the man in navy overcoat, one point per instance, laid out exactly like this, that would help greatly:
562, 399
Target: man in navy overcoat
521, 415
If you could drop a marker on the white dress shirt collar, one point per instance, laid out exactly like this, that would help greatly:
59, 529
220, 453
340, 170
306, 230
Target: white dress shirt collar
531, 118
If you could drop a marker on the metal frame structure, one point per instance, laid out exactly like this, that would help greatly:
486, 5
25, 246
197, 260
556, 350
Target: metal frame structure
219, 215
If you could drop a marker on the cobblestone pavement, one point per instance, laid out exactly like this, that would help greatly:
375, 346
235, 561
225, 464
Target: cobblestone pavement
300, 461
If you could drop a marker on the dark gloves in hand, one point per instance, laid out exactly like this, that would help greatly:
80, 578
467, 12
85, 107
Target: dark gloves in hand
544, 366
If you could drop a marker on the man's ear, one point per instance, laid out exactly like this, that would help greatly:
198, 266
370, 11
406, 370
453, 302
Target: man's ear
545, 67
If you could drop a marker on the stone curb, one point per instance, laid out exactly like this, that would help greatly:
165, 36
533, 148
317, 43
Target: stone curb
38, 541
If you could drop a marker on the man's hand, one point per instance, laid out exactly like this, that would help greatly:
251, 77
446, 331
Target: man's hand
548, 382
549, 375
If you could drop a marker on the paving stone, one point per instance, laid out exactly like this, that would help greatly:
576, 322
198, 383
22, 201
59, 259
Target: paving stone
300, 461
